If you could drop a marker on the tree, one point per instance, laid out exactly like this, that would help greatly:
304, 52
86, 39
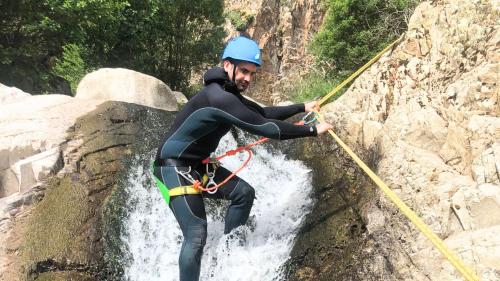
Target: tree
46, 39
170, 39
33, 33
354, 30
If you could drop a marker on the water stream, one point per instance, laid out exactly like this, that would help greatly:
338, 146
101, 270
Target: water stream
282, 189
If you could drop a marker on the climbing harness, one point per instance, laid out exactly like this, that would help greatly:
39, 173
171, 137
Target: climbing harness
208, 183
167, 193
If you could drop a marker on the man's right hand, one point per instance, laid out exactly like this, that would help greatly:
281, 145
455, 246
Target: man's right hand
323, 127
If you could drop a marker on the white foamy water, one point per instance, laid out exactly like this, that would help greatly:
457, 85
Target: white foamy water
282, 190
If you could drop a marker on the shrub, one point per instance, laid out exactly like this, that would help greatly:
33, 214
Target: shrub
352, 33
355, 30
71, 67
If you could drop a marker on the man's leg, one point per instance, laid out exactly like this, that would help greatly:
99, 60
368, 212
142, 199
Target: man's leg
189, 211
241, 195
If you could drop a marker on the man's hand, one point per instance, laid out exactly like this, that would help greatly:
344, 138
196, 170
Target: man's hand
323, 127
310, 106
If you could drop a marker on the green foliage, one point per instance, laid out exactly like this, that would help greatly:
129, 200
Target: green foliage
192, 90
314, 86
170, 39
352, 33
355, 30
32, 34
166, 39
240, 20
71, 67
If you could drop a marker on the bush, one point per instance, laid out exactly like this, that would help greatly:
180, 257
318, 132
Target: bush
240, 20
165, 39
71, 67
352, 33
355, 30
314, 86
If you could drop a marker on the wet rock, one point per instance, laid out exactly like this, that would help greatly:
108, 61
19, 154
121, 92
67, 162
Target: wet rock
71, 227
31, 135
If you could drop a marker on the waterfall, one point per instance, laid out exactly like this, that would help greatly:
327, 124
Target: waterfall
154, 238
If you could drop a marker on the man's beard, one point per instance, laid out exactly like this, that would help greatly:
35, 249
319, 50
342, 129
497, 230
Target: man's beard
242, 86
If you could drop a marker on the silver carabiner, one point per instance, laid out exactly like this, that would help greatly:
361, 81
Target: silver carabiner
312, 119
211, 182
186, 174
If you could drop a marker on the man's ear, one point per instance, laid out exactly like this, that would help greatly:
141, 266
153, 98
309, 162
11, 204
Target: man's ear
228, 68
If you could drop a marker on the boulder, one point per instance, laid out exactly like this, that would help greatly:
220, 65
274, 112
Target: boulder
10, 94
32, 131
126, 85
180, 98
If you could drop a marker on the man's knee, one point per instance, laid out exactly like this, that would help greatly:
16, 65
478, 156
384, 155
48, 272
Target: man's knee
192, 249
191, 253
243, 193
197, 235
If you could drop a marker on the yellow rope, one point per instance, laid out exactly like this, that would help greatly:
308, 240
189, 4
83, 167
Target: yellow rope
419, 224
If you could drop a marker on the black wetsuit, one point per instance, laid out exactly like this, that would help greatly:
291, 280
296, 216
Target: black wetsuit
195, 133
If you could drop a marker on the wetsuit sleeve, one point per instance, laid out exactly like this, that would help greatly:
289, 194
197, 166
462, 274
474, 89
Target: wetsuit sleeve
283, 112
231, 110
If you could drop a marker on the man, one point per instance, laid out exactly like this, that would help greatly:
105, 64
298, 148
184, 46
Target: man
195, 134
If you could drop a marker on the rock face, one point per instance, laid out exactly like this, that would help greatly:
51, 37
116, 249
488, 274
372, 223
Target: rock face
283, 29
32, 138
31, 135
426, 118
73, 233
60, 172
10, 94
129, 86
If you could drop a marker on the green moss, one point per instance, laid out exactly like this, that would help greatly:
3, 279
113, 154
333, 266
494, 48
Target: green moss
54, 223
115, 213
75, 231
240, 19
331, 243
314, 86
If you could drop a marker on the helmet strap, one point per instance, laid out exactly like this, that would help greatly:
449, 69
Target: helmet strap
231, 85
234, 72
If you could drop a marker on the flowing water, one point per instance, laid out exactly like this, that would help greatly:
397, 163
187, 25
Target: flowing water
282, 189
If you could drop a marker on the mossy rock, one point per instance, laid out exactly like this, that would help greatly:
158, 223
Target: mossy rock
331, 242
74, 232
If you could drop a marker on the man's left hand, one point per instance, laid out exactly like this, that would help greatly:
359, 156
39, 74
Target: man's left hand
311, 106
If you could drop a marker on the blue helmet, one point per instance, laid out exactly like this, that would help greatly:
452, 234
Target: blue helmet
243, 49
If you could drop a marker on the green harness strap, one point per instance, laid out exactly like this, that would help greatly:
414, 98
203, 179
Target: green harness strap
163, 188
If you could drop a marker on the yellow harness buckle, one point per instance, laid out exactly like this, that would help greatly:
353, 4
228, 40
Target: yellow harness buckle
187, 189
183, 190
